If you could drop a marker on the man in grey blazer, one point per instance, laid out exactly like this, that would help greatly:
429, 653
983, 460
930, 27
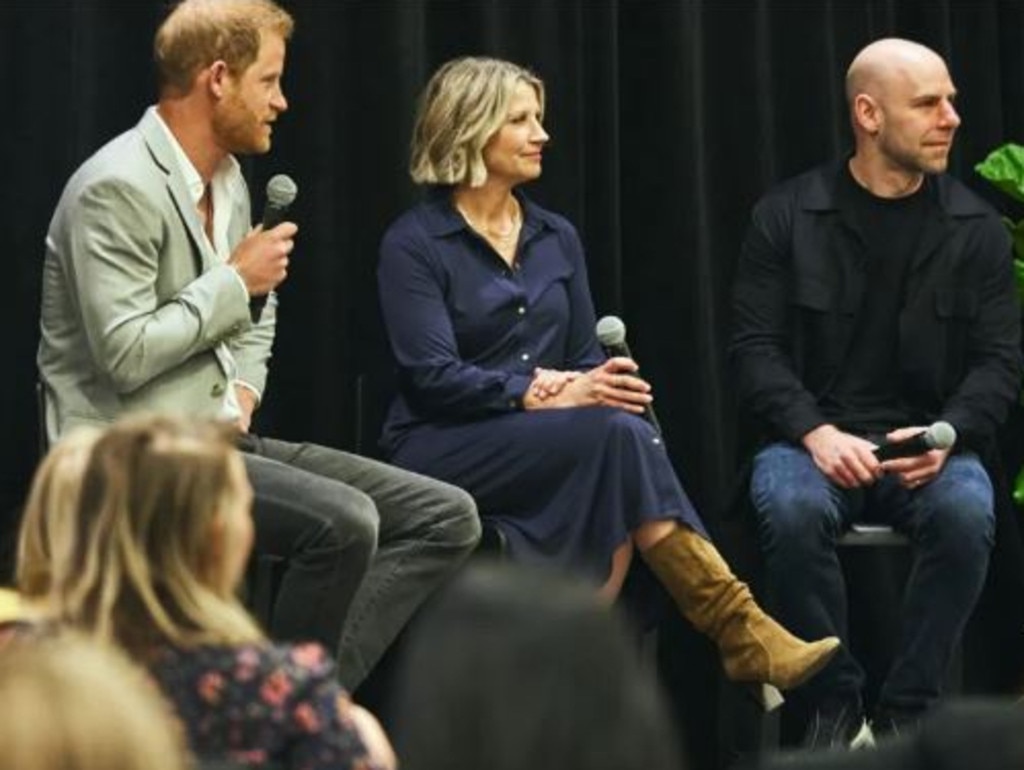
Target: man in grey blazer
151, 266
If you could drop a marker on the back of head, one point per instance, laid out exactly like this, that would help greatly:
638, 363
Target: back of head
143, 570
197, 33
69, 704
463, 105
512, 668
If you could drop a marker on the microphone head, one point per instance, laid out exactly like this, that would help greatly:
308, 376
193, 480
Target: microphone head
940, 435
611, 331
281, 191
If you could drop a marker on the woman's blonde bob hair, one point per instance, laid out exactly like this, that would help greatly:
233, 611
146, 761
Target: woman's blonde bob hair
143, 569
463, 105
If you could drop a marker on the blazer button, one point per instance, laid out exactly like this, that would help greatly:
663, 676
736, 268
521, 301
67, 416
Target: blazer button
217, 390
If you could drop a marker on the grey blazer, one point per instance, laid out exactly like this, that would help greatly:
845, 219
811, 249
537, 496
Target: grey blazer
134, 298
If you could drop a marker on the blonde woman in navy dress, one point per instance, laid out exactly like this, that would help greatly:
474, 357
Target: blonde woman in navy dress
504, 389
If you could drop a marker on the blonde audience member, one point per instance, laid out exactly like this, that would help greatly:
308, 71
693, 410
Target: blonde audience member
71, 704
12, 613
10, 605
160, 543
47, 525
46, 529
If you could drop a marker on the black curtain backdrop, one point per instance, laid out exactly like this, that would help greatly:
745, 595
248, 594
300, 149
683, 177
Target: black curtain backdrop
668, 120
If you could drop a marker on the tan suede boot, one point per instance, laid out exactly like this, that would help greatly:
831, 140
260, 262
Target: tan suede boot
753, 647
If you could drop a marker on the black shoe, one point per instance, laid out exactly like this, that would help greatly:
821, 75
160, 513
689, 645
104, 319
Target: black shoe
838, 725
893, 723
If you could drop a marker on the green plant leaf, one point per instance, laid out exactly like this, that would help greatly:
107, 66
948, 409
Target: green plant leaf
1018, 488
1018, 270
1017, 233
1004, 167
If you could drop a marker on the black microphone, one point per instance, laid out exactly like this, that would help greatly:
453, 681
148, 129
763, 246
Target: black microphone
611, 333
939, 435
281, 192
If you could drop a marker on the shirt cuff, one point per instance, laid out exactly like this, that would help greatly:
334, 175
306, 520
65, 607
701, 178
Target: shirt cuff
515, 388
251, 388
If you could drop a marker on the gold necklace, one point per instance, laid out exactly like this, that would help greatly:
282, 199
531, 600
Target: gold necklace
503, 237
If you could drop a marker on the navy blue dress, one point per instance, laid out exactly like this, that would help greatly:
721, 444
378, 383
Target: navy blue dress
566, 486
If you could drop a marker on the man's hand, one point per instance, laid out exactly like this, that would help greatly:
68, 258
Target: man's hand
914, 472
247, 403
610, 384
262, 257
846, 460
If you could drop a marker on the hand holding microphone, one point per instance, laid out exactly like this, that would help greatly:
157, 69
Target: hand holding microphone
262, 257
611, 333
938, 435
911, 456
850, 461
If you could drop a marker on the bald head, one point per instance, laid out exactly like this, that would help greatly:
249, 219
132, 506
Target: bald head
887, 62
902, 111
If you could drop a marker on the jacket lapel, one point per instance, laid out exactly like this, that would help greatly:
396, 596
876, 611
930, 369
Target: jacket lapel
163, 154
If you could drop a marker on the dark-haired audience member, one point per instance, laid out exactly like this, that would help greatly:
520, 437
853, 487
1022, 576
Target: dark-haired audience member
505, 392
68, 703
517, 668
874, 296
162, 536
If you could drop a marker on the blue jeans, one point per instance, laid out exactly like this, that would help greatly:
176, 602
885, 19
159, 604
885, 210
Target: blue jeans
950, 522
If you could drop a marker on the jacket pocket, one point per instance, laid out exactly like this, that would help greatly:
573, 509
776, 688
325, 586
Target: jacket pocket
818, 333
955, 310
956, 304
813, 296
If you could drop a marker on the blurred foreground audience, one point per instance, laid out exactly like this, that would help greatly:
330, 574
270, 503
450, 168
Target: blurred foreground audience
150, 559
513, 669
977, 734
70, 704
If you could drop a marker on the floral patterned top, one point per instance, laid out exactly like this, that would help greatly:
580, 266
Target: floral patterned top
259, 704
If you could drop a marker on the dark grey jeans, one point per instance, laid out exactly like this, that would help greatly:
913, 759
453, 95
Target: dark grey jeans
365, 544
950, 522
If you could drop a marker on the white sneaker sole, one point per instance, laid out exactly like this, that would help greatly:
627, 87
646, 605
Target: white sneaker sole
864, 739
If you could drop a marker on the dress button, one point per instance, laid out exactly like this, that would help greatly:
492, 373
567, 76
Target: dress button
525, 356
217, 389
521, 310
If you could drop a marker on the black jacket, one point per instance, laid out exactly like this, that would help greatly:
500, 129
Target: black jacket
800, 291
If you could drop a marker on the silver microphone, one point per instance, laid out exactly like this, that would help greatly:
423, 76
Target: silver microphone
611, 333
938, 435
281, 193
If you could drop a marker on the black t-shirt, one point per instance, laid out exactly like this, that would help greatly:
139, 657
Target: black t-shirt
865, 398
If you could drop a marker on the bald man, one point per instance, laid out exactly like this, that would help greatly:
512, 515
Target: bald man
874, 297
